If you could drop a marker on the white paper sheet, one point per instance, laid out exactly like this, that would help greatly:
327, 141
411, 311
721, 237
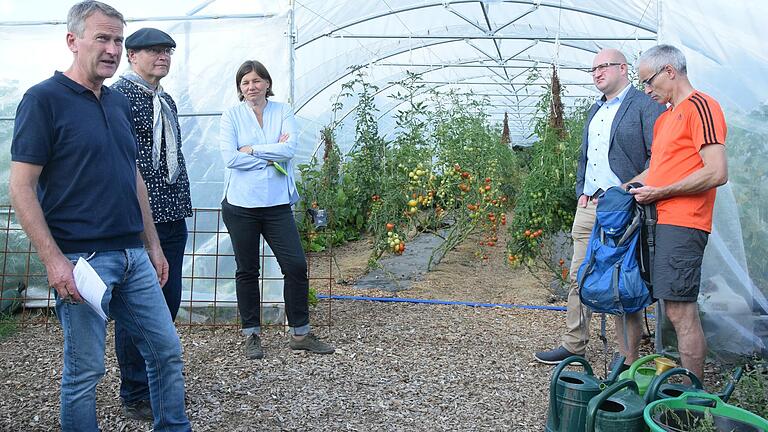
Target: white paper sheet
90, 286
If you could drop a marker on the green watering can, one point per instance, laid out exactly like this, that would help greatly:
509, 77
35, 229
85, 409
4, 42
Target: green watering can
661, 389
616, 411
643, 375
569, 394
679, 414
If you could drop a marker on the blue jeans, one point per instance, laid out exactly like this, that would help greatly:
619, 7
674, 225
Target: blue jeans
134, 386
278, 227
134, 299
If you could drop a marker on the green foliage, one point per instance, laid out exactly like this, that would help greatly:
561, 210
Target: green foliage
396, 189
692, 422
313, 299
751, 392
747, 147
364, 160
321, 188
7, 325
546, 202
478, 173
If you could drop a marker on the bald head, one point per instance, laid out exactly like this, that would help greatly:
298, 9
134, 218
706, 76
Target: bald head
610, 55
610, 72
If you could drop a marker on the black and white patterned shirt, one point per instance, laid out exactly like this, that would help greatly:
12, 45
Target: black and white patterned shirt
169, 202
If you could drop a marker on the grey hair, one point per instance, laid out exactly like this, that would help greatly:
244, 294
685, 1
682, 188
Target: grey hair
81, 11
661, 55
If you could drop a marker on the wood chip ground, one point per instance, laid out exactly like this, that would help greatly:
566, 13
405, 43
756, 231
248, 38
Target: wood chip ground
398, 367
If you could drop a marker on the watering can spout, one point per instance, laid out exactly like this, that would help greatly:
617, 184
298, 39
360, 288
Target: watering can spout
663, 364
728, 390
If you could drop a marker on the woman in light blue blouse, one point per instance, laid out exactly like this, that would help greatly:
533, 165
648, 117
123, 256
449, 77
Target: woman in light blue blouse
258, 143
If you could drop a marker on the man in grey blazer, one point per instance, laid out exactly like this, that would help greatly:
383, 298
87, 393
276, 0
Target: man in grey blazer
616, 147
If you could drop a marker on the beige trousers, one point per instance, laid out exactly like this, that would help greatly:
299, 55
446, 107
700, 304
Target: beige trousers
576, 334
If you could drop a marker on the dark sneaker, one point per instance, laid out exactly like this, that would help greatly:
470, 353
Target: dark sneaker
253, 348
312, 344
554, 356
141, 410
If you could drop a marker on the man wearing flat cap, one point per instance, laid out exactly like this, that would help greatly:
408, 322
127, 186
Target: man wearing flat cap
161, 163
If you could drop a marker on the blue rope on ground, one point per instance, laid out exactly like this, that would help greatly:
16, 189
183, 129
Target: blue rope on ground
442, 302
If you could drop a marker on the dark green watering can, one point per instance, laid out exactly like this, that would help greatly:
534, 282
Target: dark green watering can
616, 411
661, 389
569, 394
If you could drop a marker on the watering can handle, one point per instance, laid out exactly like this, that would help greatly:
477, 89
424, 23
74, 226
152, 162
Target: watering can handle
714, 398
556, 375
595, 403
728, 389
653, 388
639, 362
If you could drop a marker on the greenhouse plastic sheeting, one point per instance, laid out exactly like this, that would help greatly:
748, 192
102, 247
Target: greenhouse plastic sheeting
724, 46
202, 82
310, 47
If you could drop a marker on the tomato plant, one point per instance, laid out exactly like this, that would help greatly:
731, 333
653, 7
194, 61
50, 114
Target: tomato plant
546, 201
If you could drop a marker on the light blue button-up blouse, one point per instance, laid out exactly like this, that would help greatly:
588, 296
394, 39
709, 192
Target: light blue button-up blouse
249, 181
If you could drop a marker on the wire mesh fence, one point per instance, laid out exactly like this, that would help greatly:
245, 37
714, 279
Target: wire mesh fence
208, 278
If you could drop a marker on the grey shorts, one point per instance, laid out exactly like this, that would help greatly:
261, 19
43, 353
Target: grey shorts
677, 263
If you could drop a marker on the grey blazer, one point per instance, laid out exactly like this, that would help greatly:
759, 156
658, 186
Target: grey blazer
631, 133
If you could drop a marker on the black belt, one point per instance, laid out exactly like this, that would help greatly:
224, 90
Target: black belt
596, 194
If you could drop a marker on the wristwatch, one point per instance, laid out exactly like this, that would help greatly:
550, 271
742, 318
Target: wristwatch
250, 151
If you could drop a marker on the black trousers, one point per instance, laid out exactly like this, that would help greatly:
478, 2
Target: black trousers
278, 227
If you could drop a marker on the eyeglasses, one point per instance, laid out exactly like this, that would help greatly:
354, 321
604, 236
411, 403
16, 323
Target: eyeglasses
160, 50
602, 67
649, 82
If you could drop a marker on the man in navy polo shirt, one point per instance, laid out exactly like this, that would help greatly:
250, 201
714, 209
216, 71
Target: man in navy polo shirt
76, 192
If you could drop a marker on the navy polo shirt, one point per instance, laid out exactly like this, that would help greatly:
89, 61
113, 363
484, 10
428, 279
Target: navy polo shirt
87, 150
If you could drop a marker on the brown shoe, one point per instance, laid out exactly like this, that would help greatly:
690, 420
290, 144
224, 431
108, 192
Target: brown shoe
312, 344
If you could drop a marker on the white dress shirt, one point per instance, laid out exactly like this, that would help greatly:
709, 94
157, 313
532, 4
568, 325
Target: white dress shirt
599, 174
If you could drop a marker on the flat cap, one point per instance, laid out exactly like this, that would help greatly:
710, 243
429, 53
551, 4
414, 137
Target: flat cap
148, 37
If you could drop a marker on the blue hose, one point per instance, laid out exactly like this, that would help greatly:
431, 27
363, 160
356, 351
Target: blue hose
442, 302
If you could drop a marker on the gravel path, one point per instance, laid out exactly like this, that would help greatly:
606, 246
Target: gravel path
398, 367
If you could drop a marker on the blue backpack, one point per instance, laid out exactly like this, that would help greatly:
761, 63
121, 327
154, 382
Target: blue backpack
611, 278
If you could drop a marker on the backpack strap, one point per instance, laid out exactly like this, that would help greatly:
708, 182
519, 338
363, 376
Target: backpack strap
650, 218
632, 228
615, 286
